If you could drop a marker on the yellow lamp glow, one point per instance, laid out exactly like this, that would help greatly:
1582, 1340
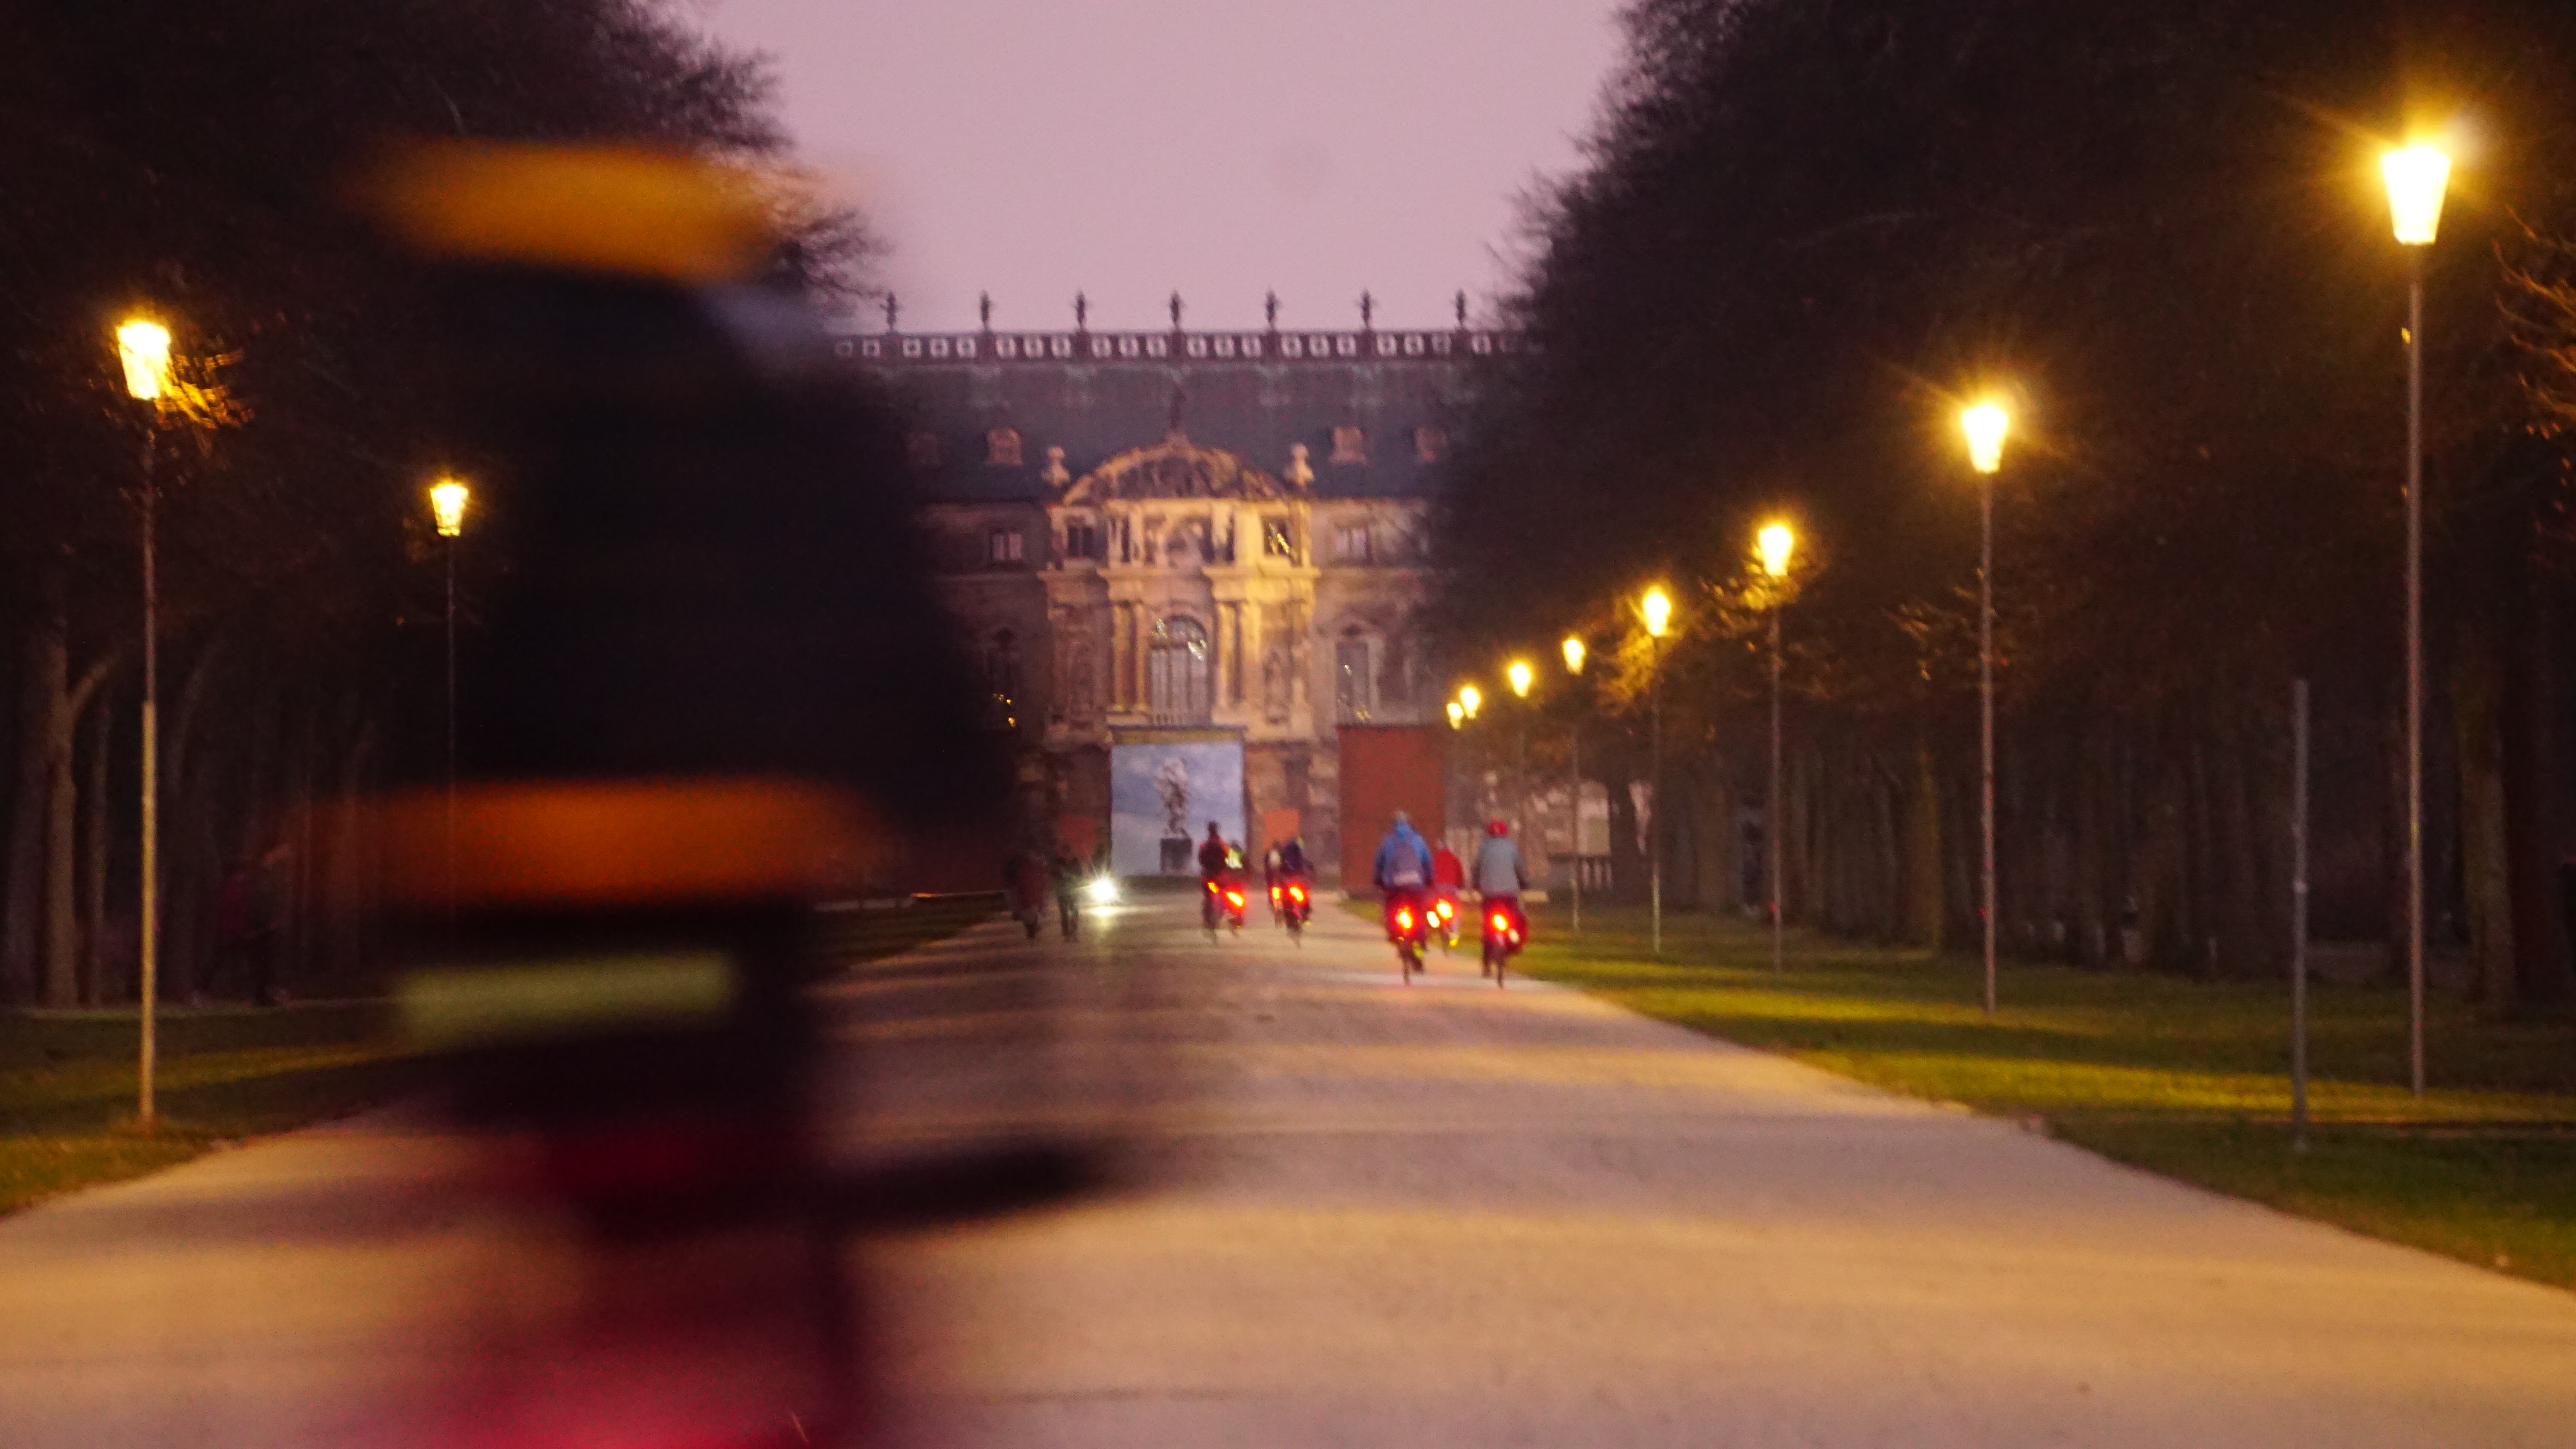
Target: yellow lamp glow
1470, 699
1776, 541
1457, 714
1986, 424
144, 347
2416, 177
447, 500
1573, 654
1657, 607
1518, 672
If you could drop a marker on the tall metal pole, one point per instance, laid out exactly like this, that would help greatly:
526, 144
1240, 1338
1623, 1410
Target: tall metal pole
1771, 854
2299, 915
451, 736
1986, 712
1574, 757
2415, 668
149, 983
1655, 793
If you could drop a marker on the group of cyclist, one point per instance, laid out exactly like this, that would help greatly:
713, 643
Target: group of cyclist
1286, 875
1410, 873
1413, 875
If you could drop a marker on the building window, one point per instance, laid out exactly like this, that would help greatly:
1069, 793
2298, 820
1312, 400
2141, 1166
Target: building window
1178, 673
1002, 447
1081, 539
1354, 695
1002, 546
1276, 541
1351, 545
1350, 445
1002, 679
922, 448
1430, 445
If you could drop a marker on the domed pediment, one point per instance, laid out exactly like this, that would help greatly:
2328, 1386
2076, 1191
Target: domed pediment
1175, 468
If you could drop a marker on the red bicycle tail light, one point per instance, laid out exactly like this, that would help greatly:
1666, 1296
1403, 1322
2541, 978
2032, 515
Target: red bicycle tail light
1404, 920
1296, 893
1234, 898
1502, 922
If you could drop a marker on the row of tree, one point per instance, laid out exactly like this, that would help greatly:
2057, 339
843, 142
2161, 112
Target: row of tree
1810, 231
197, 164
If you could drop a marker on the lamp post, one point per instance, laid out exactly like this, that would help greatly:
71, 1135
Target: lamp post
1520, 676
1776, 542
2416, 178
143, 347
1986, 424
1573, 648
447, 500
1657, 610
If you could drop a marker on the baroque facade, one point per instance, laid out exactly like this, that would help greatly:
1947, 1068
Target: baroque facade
1206, 536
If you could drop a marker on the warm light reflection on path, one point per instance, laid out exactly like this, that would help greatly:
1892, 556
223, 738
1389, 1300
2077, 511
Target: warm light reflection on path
1364, 1214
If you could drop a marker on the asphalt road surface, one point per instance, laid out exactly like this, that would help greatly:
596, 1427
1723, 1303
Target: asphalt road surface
1353, 1213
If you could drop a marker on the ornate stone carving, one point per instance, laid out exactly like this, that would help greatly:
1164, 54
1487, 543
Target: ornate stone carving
1175, 468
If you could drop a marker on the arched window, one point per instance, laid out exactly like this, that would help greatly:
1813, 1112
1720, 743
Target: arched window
1178, 672
1354, 677
1002, 678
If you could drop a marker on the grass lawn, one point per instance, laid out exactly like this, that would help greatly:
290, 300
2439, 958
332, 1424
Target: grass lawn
67, 1082
67, 1078
2181, 1077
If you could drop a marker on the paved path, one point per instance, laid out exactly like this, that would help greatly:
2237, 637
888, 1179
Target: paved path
1365, 1214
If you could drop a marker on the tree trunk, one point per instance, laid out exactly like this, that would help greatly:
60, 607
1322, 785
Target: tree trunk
1925, 907
45, 685
2531, 819
2477, 720
95, 966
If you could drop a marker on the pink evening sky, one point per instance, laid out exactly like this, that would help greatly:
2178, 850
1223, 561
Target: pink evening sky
1223, 148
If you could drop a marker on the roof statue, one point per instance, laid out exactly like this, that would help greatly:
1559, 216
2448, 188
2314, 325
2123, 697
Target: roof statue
1176, 311
1301, 473
984, 308
1270, 310
1176, 468
1368, 311
1081, 312
1462, 309
890, 311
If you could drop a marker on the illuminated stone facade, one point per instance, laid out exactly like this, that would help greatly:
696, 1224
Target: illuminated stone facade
1179, 530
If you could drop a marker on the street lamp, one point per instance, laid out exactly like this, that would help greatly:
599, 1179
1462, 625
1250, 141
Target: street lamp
1986, 424
1470, 699
2416, 177
1573, 649
1457, 714
1521, 676
447, 500
1656, 608
143, 349
1775, 542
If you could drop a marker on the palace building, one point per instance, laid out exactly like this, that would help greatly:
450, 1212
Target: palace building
1189, 563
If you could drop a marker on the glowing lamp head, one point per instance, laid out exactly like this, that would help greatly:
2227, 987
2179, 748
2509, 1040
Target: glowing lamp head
1776, 542
2416, 176
1657, 607
1457, 714
1103, 890
1520, 674
1470, 700
447, 499
1985, 425
1573, 654
144, 347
